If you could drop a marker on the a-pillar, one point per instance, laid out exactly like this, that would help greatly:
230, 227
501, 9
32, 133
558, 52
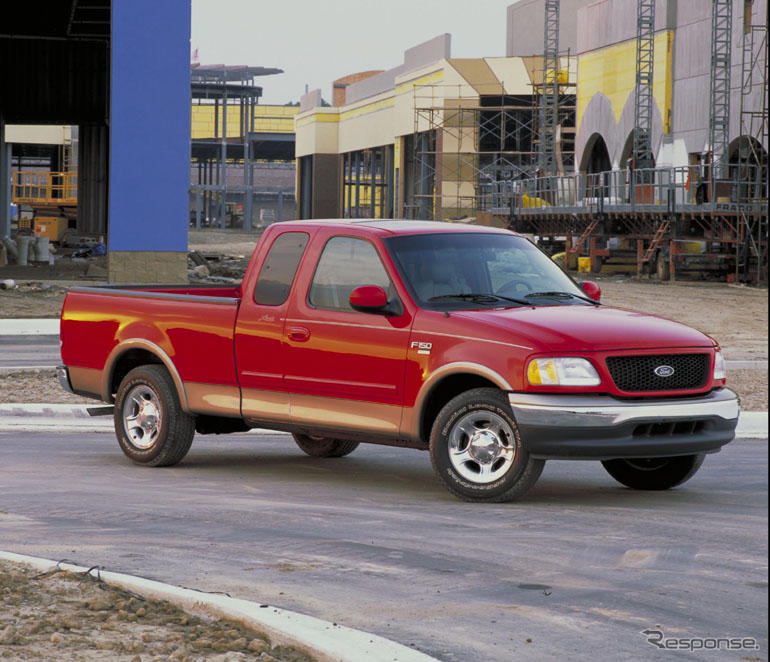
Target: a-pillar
149, 141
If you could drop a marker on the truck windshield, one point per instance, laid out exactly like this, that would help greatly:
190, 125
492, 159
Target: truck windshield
479, 270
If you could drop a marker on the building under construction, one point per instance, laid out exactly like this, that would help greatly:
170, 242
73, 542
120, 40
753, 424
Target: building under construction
617, 130
432, 138
232, 137
671, 154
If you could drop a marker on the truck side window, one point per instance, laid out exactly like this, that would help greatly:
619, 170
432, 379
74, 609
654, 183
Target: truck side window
346, 263
278, 270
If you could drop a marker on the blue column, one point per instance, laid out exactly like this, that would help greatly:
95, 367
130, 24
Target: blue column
149, 126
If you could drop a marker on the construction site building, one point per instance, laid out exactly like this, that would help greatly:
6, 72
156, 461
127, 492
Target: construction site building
242, 153
698, 203
427, 139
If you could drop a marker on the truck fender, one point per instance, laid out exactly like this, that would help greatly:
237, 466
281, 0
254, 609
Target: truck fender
139, 343
413, 420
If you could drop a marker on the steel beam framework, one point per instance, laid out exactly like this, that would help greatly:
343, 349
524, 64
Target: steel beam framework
721, 53
645, 43
466, 153
549, 99
752, 254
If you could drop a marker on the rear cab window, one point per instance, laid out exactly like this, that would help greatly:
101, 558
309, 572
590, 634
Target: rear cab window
279, 268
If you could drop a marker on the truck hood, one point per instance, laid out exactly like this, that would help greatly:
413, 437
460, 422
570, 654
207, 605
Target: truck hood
553, 329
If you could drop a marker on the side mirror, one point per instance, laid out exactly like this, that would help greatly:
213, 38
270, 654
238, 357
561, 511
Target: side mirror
591, 289
369, 299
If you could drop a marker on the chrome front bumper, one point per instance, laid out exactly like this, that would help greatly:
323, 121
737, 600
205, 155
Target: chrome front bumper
602, 427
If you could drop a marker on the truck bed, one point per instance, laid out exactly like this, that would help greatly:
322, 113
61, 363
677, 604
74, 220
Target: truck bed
192, 325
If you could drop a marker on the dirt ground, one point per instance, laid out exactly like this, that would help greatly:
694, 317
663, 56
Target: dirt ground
68, 616
735, 315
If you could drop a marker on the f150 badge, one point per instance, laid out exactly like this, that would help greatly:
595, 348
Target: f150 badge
422, 347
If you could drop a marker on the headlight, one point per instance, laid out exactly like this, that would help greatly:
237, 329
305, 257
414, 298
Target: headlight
562, 371
720, 370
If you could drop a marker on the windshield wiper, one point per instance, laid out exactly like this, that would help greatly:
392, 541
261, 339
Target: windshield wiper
560, 295
478, 297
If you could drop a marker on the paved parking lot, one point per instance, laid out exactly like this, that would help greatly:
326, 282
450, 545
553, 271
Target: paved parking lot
580, 567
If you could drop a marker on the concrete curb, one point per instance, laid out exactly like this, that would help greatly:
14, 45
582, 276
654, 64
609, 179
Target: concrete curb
68, 418
327, 641
24, 417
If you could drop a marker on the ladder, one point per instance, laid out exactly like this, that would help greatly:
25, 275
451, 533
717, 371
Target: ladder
575, 248
645, 46
549, 98
656, 239
721, 53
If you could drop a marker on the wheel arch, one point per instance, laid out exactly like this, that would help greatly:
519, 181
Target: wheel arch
443, 385
130, 354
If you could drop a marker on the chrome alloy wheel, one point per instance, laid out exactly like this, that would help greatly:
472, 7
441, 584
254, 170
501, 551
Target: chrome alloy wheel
142, 416
481, 447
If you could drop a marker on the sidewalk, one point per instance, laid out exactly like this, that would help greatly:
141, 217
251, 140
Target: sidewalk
29, 327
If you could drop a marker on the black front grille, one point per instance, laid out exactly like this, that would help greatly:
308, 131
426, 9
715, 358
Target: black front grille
637, 373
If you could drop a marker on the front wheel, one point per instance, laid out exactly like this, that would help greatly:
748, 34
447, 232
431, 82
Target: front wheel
476, 449
654, 473
151, 427
324, 446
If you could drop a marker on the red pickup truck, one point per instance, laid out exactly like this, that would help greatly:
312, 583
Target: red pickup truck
465, 341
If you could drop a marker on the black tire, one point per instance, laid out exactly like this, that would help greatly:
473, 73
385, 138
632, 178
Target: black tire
491, 463
654, 473
160, 433
325, 446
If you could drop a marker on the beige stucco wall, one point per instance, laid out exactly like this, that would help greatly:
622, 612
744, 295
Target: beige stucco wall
38, 134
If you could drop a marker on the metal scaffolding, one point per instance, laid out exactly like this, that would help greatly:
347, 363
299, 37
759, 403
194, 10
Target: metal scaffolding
721, 53
465, 153
664, 220
668, 230
234, 148
549, 97
752, 250
645, 43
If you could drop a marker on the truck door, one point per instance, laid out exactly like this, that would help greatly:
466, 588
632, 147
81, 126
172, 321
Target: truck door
259, 341
345, 369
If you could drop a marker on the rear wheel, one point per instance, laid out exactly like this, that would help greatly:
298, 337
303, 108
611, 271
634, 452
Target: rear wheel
151, 427
654, 473
476, 449
324, 446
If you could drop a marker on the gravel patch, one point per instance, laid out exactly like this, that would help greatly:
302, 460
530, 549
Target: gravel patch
59, 615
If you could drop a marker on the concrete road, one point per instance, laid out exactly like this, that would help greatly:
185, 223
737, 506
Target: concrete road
577, 569
28, 352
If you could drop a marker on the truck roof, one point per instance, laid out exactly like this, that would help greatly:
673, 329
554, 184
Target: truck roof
390, 226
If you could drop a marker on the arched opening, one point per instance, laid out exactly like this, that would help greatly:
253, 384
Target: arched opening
747, 167
596, 160
596, 157
627, 156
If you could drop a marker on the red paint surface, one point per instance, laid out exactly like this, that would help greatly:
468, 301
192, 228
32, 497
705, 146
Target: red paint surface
354, 355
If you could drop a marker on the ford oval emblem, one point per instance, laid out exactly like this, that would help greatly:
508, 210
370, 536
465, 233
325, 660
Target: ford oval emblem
664, 371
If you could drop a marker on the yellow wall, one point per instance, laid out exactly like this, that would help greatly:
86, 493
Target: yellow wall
267, 119
612, 72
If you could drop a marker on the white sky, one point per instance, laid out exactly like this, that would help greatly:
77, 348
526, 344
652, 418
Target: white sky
318, 41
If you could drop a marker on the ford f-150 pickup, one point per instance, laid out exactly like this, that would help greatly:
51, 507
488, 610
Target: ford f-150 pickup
465, 341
